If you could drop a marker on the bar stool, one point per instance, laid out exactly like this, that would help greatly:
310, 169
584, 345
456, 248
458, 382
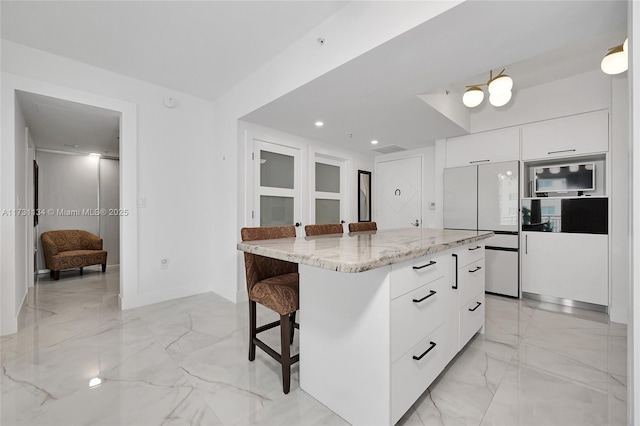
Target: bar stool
272, 283
327, 228
363, 226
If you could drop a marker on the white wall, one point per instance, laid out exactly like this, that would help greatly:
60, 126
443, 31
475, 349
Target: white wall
21, 202
620, 155
110, 200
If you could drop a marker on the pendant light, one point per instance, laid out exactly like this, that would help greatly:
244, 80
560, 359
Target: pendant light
473, 96
616, 61
499, 91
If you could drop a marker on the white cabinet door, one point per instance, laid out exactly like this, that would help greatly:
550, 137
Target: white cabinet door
399, 184
567, 136
568, 266
485, 147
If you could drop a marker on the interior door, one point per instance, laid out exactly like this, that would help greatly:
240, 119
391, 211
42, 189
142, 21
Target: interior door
277, 185
461, 198
399, 193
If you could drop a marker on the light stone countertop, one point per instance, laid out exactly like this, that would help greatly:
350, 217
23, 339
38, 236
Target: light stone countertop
362, 251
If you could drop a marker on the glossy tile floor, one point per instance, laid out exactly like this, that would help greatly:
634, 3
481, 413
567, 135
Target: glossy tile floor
184, 362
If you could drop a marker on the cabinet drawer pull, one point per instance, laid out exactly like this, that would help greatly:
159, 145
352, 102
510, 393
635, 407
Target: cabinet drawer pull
455, 282
474, 248
433, 262
431, 293
432, 345
477, 306
476, 270
479, 161
563, 150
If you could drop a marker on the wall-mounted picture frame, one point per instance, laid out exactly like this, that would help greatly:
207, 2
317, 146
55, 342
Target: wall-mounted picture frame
364, 196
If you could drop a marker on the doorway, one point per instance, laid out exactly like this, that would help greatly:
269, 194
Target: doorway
16, 244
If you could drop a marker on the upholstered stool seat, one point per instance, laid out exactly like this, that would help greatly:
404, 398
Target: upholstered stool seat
277, 293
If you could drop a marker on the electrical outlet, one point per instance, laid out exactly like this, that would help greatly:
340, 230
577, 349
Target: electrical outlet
142, 202
164, 263
432, 205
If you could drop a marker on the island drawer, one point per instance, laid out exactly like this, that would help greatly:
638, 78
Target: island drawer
469, 254
470, 281
416, 314
410, 377
409, 275
471, 319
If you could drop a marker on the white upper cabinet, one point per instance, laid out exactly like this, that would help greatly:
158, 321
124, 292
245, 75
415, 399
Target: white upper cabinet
567, 136
486, 147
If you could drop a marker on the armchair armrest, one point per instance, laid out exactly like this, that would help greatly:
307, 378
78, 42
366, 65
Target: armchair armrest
49, 249
95, 242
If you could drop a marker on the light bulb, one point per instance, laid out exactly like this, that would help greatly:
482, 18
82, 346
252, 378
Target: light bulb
500, 99
473, 97
501, 84
616, 61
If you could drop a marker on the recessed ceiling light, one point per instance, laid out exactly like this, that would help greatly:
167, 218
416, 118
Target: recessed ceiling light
374, 142
94, 154
319, 124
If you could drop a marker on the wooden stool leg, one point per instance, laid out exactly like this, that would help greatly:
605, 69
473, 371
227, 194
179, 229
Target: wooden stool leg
292, 317
252, 330
285, 359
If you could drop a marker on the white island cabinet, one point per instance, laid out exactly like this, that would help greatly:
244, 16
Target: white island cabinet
382, 313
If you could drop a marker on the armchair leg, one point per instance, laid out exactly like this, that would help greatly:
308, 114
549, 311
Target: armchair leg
81, 270
285, 346
252, 330
56, 275
104, 267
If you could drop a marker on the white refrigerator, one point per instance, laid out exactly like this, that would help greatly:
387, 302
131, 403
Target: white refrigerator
486, 197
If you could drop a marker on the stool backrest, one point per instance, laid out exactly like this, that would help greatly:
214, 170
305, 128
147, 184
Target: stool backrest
328, 228
363, 226
258, 268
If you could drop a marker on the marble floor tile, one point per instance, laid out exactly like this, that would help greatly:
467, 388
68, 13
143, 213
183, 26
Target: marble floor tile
462, 393
529, 396
184, 362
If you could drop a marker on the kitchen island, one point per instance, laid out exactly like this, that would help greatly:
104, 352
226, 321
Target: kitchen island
382, 313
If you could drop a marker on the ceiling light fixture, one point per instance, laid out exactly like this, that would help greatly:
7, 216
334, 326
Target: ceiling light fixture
616, 61
499, 91
319, 124
94, 154
374, 142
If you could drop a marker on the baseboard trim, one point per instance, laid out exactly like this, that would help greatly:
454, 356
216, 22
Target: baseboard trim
566, 302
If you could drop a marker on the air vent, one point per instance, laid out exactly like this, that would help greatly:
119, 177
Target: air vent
389, 149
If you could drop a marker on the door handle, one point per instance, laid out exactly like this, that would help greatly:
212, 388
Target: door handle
298, 224
417, 223
342, 221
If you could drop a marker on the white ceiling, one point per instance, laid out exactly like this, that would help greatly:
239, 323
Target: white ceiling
204, 48
61, 125
198, 47
374, 96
